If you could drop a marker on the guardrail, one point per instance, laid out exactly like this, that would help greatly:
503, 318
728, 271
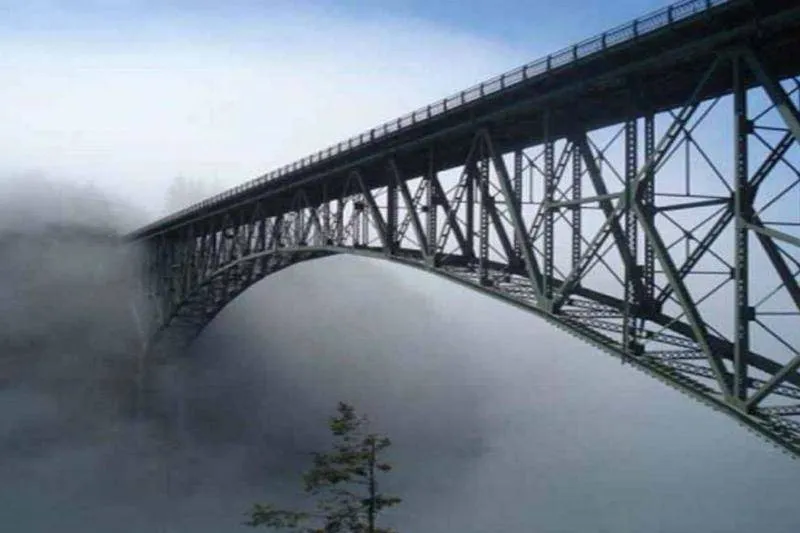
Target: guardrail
641, 26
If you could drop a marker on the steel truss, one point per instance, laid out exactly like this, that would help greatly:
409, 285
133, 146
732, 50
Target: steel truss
671, 240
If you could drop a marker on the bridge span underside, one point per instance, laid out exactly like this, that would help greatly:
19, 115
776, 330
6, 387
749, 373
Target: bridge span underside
645, 198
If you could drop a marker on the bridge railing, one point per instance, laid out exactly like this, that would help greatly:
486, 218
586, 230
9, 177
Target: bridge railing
641, 26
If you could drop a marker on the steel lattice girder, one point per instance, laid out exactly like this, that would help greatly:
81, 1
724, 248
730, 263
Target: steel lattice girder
609, 234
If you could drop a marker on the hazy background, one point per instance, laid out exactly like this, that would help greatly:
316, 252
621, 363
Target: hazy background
500, 423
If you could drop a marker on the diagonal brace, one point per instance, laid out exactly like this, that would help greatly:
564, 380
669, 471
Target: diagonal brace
705, 244
377, 216
773, 383
608, 210
531, 265
451, 215
789, 281
775, 92
410, 207
696, 322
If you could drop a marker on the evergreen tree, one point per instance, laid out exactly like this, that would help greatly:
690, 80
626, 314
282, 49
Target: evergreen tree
343, 480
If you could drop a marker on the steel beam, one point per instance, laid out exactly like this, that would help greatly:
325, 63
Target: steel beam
511, 195
773, 88
743, 314
411, 208
375, 212
432, 202
696, 321
623, 244
547, 206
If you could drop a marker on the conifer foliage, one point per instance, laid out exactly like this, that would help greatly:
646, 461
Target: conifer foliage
343, 481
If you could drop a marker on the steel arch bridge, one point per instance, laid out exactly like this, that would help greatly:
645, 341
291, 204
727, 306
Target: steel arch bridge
639, 190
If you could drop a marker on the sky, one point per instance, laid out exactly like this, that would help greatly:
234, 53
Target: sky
129, 95
499, 422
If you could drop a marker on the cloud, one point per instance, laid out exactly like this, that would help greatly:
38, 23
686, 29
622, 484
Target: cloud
119, 116
223, 100
216, 432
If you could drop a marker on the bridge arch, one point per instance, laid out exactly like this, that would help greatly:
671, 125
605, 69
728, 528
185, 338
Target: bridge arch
557, 189
203, 304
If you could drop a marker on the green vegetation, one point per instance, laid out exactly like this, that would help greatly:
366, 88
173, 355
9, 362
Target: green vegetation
343, 481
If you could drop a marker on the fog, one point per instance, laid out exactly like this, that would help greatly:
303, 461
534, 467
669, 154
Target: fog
499, 422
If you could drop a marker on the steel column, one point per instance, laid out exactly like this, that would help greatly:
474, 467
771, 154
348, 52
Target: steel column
549, 193
742, 203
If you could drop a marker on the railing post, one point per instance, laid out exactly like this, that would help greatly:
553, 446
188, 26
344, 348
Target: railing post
669, 15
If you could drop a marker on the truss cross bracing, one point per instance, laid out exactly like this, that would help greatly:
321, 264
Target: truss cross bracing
639, 190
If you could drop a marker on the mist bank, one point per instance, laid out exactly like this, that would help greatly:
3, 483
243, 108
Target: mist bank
226, 424
499, 422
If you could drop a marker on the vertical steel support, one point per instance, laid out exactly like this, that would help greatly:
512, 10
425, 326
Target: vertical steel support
518, 201
483, 177
227, 241
472, 173
176, 271
166, 274
194, 249
364, 218
247, 233
648, 204
211, 247
392, 243
431, 202
239, 233
211, 259
576, 209
262, 233
315, 221
326, 216
358, 210
631, 236
741, 219
172, 278
202, 239
277, 232
179, 273
549, 217
182, 258
158, 274
340, 221
299, 225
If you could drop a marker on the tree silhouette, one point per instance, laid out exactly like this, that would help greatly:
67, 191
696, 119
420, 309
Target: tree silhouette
343, 480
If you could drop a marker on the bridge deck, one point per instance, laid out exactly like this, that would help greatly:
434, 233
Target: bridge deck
652, 63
